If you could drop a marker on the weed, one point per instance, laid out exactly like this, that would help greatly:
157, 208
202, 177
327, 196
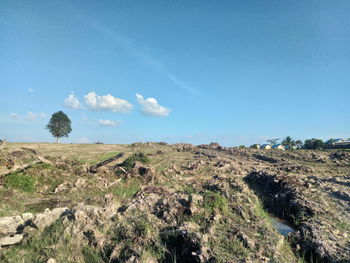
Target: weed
260, 211
189, 189
91, 255
21, 182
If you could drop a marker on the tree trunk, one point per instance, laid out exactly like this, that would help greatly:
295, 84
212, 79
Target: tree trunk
57, 140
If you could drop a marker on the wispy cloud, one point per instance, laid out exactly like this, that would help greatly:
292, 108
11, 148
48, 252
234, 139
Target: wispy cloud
30, 90
138, 52
83, 140
29, 116
109, 123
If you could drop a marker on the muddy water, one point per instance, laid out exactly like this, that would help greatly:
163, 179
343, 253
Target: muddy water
281, 226
41, 206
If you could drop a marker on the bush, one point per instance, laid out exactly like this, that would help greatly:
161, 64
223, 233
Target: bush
129, 162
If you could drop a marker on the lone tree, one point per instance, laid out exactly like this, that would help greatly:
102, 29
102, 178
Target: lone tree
59, 125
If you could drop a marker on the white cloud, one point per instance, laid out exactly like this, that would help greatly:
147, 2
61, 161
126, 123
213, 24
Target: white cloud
106, 103
30, 116
108, 123
15, 116
72, 102
83, 140
151, 107
42, 115
31, 90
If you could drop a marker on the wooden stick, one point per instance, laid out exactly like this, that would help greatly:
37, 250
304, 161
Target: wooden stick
93, 169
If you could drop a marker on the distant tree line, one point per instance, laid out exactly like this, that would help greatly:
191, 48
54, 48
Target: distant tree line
312, 144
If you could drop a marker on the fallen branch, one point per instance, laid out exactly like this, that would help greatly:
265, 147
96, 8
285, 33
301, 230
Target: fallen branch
116, 167
42, 159
93, 169
21, 168
109, 186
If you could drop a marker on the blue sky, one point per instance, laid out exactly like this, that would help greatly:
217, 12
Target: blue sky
235, 72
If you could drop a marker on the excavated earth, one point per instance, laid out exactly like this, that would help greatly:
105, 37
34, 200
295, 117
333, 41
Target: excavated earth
172, 203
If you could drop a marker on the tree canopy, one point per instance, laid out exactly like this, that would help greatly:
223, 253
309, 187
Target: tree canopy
59, 125
314, 144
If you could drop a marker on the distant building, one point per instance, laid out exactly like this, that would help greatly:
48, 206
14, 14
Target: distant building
265, 146
278, 147
341, 144
293, 147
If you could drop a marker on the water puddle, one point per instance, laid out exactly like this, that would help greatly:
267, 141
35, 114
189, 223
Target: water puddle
281, 226
41, 206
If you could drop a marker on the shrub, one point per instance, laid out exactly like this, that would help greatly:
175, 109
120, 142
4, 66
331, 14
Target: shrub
129, 162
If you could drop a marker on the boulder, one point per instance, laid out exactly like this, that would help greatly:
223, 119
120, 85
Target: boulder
49, 217
9, 224
11, 240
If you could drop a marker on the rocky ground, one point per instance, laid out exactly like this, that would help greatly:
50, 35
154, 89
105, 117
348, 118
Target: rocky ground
172, 203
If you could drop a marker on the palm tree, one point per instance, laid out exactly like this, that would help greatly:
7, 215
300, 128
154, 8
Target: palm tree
288, 142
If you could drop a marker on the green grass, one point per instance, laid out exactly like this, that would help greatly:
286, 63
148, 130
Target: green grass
21, 182
91, 255
40, 247
126, 189
189, 189
215, 201
107, 156
261, 212
137, 230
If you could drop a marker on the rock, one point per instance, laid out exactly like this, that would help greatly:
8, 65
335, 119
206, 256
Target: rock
62, 187
49, 217
11, 240
51, 260
80, 183
27, 216
9, 225
195, 202
247, 242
